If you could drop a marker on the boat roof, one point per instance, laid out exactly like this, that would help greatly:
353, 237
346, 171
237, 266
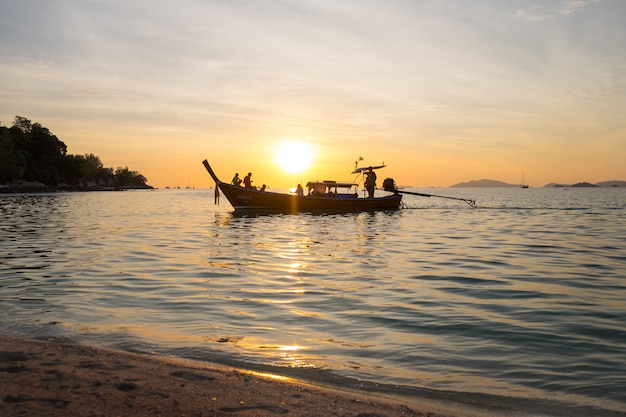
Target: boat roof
359, 170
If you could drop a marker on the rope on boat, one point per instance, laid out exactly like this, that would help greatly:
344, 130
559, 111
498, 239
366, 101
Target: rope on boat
471, 203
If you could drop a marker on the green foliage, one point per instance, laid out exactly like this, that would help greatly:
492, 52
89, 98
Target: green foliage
30, 152
12, 160
124, 178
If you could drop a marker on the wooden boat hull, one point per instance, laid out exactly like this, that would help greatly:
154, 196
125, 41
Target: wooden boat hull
251, 199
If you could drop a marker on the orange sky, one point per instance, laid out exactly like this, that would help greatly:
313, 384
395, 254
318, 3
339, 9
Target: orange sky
441, 91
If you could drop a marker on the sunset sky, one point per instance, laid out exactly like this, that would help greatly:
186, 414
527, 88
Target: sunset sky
441, 91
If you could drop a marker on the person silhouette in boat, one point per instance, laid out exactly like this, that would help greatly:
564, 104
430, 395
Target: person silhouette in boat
247, 180
299, 191
370, 182
236, 180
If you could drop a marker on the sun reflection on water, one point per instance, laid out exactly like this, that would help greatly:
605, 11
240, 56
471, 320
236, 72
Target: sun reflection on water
289, 358
290, 348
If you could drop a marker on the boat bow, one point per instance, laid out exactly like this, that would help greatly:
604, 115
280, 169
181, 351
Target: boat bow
211, 172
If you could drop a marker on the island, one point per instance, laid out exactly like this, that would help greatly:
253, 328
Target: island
32, 159
486, 183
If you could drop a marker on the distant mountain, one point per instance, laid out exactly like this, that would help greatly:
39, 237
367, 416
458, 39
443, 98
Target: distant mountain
587, 184
494, 183
611, 184
483, 183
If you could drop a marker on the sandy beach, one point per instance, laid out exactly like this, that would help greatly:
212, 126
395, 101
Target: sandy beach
58, 379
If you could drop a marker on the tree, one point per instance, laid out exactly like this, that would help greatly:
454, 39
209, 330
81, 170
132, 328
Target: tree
44, 151
22, 124
124, 178
30, 152
90, 167
12, 161
44, 144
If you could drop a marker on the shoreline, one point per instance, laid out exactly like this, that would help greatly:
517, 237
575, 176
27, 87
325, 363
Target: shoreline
37, 187
55, 378
59, 379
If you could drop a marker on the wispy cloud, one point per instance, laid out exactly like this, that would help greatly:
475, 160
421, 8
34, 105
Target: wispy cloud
575, 5
539, 13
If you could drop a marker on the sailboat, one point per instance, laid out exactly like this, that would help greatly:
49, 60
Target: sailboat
522, 185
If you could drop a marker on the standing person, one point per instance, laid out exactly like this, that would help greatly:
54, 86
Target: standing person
299, 191
370, 182
236, 180
247, 180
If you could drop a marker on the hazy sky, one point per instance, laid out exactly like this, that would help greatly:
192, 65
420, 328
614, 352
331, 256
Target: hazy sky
442, 91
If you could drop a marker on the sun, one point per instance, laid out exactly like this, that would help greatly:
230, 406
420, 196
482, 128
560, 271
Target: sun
293, 156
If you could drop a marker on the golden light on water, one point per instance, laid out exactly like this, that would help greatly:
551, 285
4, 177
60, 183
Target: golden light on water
291, 356
286, 355
294, 267
294, 156
293, 348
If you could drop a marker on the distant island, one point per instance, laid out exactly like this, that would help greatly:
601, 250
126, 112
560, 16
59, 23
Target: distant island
586, 184
485, 183
33, 159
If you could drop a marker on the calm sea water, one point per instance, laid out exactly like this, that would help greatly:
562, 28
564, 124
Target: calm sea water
520, 301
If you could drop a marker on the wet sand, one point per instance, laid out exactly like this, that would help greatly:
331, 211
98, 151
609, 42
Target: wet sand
58, 379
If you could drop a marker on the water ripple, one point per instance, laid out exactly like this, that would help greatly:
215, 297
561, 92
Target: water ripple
522, 297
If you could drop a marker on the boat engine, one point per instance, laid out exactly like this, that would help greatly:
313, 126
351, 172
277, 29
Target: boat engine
390, 185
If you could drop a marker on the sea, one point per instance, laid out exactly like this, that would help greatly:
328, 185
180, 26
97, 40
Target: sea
516, 304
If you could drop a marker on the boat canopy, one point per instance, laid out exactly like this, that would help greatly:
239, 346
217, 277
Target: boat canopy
359, 170
328, 187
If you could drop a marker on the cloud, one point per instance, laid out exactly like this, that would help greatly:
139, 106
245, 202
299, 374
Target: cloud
542, 12
575, 5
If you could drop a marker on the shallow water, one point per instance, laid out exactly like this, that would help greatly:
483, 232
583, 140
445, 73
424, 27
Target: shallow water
523, 297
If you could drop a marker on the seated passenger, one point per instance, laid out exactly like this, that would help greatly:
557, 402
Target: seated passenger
247, 180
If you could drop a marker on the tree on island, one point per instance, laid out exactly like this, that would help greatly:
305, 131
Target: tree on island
124, 178
30, 153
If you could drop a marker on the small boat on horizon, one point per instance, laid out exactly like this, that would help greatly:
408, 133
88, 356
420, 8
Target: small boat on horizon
322, 196
522, 184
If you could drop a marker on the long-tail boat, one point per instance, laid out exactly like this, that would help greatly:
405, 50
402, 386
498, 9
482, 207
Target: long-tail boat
321, 196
